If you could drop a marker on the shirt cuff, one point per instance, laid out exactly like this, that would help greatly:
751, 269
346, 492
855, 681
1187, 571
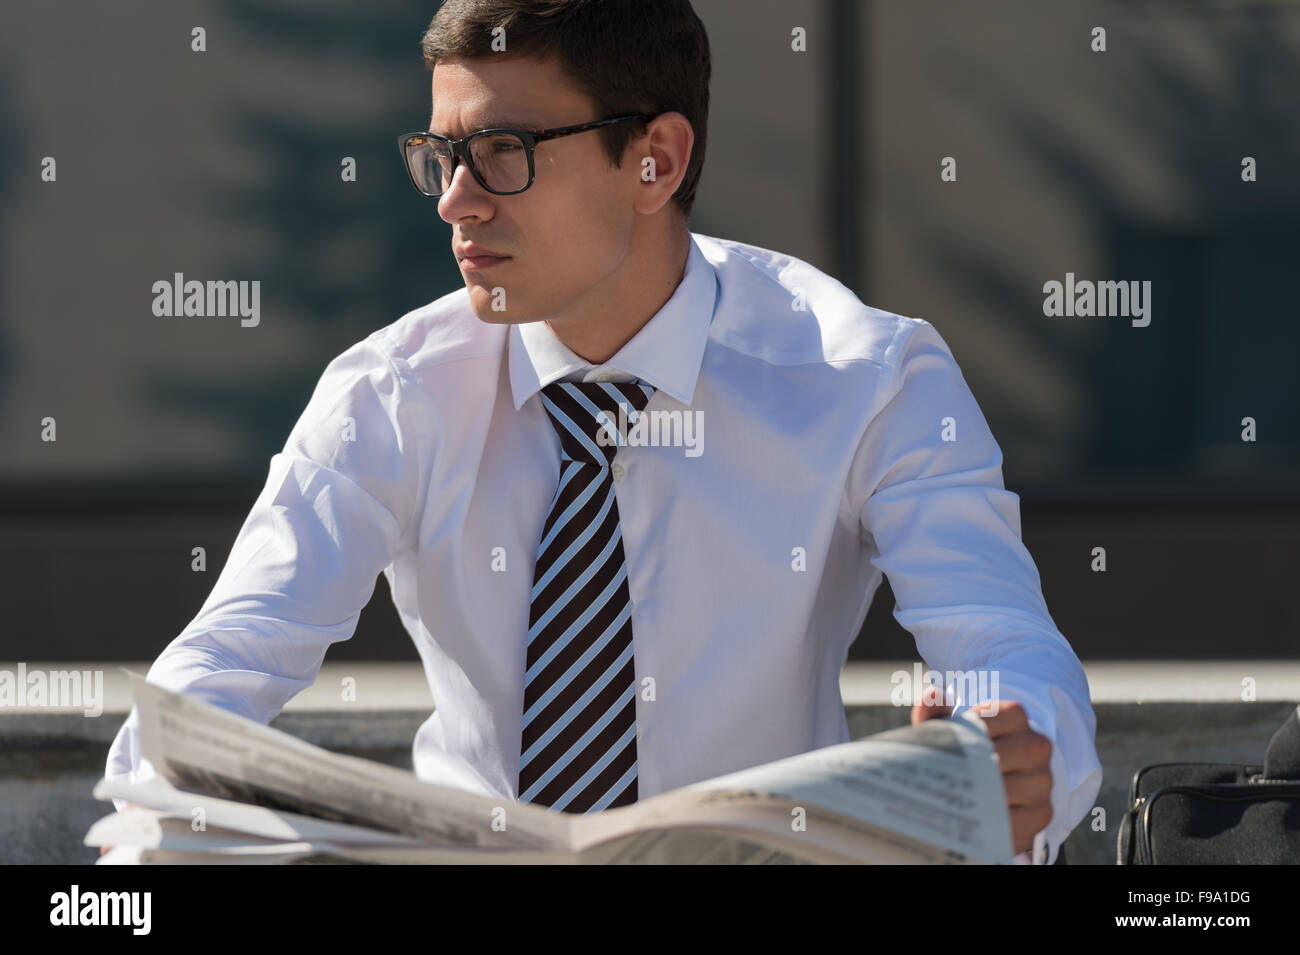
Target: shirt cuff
1044, 851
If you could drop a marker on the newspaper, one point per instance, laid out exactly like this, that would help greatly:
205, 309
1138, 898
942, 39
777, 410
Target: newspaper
230, 790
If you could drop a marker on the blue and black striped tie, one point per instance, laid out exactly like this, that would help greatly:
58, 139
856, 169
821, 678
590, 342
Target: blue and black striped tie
578, 751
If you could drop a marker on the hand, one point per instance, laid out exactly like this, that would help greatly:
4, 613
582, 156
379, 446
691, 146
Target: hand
1025, 759
129, 805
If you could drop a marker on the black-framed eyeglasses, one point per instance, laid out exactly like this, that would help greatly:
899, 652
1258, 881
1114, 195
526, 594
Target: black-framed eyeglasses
501, 160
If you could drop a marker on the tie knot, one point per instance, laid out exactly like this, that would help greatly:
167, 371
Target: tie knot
592, 417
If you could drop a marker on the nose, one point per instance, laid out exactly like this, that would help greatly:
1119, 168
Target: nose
463, 195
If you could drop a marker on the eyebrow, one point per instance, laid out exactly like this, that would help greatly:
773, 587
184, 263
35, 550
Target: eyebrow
506, 123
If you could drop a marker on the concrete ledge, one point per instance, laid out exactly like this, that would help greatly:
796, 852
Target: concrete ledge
49, 760
382, 687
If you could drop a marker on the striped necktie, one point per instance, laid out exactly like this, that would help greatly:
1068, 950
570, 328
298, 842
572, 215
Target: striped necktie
578, 750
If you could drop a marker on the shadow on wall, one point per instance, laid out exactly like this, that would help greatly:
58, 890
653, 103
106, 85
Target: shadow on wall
11, 133
368, 247
1168, 398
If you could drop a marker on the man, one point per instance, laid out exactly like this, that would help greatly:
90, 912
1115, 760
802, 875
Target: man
611, 599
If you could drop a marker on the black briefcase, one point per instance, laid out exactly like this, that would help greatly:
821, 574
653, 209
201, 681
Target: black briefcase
1217, 813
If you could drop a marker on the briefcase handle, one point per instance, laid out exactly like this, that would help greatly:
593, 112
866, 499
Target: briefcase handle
1282, 759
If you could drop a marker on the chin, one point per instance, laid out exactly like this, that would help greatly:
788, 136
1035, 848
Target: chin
482, 305
495, 318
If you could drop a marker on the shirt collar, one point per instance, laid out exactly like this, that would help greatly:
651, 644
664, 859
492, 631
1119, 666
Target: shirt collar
667, 352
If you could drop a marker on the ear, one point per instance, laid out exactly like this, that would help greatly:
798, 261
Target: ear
660, 157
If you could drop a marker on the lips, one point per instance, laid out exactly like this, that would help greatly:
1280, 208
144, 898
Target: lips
479, 251
482, 261
471, 256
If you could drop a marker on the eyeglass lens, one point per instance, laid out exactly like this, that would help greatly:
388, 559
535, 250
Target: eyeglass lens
501, 160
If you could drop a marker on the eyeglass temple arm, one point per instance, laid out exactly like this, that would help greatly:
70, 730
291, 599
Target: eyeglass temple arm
543, 134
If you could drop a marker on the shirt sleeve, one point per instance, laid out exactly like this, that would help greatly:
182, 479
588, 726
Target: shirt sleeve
338, 505
927, 481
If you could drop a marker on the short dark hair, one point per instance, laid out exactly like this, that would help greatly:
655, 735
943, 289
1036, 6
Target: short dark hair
628, 56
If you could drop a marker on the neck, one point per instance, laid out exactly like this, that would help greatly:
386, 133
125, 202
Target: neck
652, 270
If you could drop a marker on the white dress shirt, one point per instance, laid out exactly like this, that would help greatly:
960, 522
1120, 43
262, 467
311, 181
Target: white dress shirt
425, 454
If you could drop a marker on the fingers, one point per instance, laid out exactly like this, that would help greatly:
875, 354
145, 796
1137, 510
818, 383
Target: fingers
922, 712
1010, 717
1024, 756
1025, 750
1028, 788
931, 706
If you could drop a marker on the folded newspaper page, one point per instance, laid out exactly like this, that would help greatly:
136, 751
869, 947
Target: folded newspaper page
232, 790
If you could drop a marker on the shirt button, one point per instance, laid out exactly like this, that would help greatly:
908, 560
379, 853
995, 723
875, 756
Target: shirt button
617, 472
603, 376
638, 732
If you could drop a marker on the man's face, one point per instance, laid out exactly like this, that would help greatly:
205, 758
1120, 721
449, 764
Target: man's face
567, 236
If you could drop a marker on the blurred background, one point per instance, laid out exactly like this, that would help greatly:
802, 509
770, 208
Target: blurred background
1123, 164
1119, 165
